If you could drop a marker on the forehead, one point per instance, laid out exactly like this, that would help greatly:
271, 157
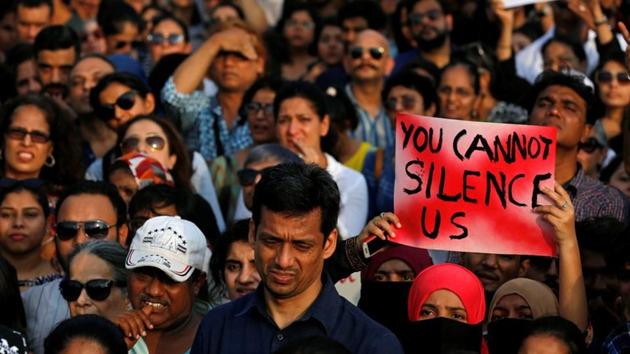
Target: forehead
21, 198
296, 105
301, 14
426, 5
370, 38
29, 115
84, 207
65, 56
511, 300
88, 65
456, 75
614, 65
283, 225
402, 90
240, 250
557, 49
85, 264
26, 12
144, 127
394, 265
561, 92
168, 26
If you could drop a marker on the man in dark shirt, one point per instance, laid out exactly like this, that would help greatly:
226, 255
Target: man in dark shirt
293, 231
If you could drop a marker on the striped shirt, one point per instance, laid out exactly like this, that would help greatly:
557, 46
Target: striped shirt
378, 130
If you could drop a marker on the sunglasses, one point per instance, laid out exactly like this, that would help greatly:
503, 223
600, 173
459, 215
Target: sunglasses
247, 176
124, 44
159, 38
124, 101
154, 142
606, 77
96, 35
417, 17
590, 145
255, 107
96, 289
407, 102
95, 229
21, 133
376, 52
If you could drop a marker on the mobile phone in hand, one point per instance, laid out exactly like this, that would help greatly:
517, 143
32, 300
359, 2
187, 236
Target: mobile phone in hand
372, 244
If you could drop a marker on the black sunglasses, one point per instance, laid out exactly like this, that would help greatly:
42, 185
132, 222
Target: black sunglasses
406, 101
97, 289
95, 229
122, 44
590, 145
255, 107
159, 38
607, 77
124, 101
247, 176
376, 52
21, 133
154, 142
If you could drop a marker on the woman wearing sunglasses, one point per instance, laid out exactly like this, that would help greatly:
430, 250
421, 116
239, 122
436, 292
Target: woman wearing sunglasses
96, 282
168, 36
613, 86
38, 142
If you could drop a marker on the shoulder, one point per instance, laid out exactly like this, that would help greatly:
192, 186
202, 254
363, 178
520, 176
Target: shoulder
344, 176
228, 312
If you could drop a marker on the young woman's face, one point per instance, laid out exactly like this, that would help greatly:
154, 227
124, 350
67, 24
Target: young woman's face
613, 92
443, 303
456, 94
299, 125
27, 143
330, 45
299, 30
111, 96
149, 138
260, 116
511, 306
22, 223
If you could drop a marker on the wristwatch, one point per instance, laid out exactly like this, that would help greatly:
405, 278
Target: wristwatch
601, 21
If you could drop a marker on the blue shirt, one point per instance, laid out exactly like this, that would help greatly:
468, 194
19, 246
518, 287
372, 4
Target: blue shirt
244, 326
378, 130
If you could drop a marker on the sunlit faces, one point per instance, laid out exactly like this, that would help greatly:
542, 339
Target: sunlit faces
239, 272
122, 43
232, 71
543, 344
511, 306
330, 45
299, 124
27, 78
456, 93
86, 267
562, 108
86, 207
92, 38
404, 99
167, 30
443, 303
144, 129
394, 270
290, 252
54, 67
299, 30
493, 270
22, 223
614, 93
24, 158
558, 56
260, 116
31, 20
368, 66
140, 106
170, 302
83, 77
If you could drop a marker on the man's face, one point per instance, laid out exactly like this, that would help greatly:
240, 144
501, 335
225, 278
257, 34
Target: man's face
170, 301
54, 67
367, 58
494, 269
31, 20
239, 272
562, 108
83, 77
351, 27
429, 25
82, 208
8, 31
26, 78
290, 252
558, 56
233, 72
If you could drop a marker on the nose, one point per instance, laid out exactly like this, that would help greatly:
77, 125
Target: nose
490, 260
155, 288
284, 257
83, 298
293, 127
27, 140
55, 75
246, 277
82, 237
33, 31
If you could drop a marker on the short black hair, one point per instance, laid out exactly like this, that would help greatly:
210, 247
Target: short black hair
57, 37
571, 79
366, 9
413, 81
112, 15
91, 327
296, 189
35, 3
126, 79
561, 329
96, 188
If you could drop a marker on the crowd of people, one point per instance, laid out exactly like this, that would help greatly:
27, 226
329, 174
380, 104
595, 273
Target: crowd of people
188, 176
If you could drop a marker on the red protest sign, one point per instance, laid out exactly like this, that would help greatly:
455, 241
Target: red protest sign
471, 186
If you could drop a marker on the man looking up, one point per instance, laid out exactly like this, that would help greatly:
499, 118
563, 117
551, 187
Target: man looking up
293, 231
32, 17
368, 62
56, 49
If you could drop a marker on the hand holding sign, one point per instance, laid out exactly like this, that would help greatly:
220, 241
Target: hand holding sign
560, 214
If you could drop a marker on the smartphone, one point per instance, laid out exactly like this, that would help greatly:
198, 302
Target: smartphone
372, 244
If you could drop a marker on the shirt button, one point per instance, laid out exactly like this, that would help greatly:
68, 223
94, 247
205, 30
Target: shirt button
280, 337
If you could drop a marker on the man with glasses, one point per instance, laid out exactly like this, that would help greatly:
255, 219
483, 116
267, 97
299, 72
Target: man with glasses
431, 25
87, 210
368, 62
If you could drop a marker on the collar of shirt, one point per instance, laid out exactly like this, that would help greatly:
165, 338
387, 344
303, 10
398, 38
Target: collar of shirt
324, 309
574, 184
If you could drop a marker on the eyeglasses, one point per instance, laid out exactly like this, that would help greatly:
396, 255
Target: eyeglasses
154, 142
407, 102
123, 44
417, 17
247, 176
96, 229
96, 289
590, 145
159, 38
255, 107
305, 24
124, 101
21, 133
96, 35
606, 77
376, 52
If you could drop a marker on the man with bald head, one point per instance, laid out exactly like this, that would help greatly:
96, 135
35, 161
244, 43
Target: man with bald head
368, 62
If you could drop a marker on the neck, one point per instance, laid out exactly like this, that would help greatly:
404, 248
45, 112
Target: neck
286, 311
180, 336
566, 164
230, 103
368, 95
440, 56
615, 114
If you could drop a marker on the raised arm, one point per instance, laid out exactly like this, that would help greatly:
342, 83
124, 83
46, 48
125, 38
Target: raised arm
561, 215
254, 14
506, 17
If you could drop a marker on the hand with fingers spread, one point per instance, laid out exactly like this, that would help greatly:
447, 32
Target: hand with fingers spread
560, 214
135, 324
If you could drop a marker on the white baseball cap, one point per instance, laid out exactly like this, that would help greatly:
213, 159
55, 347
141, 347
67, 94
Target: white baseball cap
171, 244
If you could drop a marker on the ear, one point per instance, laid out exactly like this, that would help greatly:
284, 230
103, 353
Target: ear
325, 126
330, 244
484, 81
198, 283
149, 103
449, 22
251, 232
260, 66
172, 160
123, 233
586, 132
389, 66
524, 267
